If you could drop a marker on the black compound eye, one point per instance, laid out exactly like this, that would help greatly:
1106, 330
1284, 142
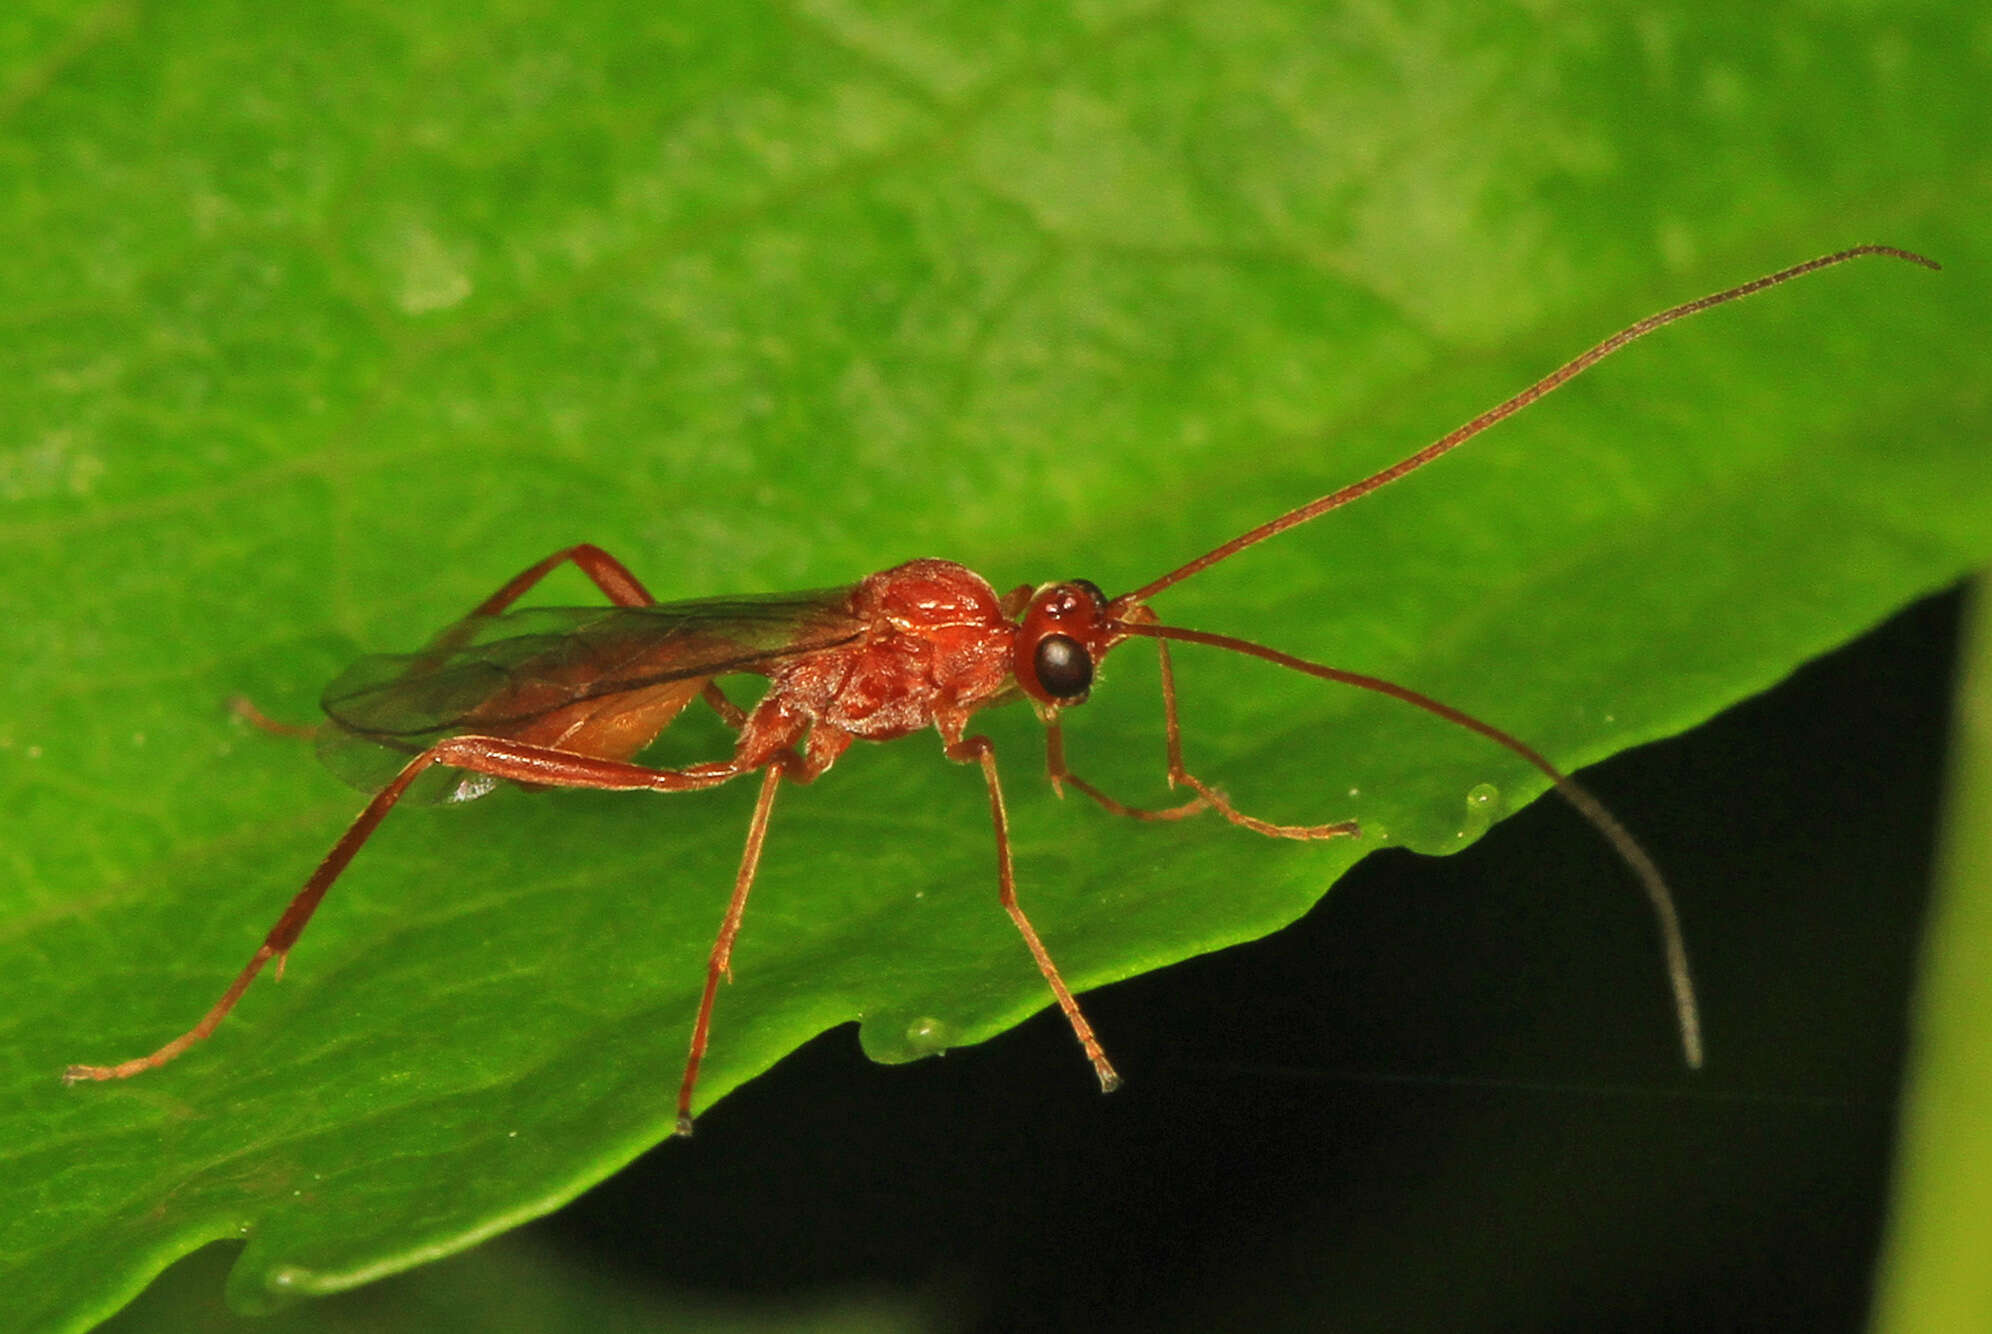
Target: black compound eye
1064, 668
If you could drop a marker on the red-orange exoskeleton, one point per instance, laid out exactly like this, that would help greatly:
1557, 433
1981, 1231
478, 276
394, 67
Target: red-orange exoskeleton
567, 697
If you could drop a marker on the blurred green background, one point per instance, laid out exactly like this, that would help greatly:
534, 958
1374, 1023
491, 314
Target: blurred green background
317, 330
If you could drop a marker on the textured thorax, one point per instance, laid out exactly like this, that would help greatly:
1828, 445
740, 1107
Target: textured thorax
936, 640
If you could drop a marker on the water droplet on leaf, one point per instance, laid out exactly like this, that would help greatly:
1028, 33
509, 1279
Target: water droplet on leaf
927, 1036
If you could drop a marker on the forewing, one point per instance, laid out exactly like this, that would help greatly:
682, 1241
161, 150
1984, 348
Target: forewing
492, 674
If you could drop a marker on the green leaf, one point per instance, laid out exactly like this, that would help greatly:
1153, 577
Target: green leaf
318, 332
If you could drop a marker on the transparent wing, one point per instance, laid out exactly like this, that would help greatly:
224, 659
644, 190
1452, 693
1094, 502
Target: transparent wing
495, 674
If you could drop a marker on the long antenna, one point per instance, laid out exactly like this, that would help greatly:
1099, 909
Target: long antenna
1687, 1014
1570, 370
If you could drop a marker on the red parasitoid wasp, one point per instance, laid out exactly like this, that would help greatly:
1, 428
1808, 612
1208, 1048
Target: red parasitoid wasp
567, 697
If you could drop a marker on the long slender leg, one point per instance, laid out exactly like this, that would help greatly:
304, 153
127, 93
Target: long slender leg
1178, 773
1060, 775
720, 963
539, 765
618, 585
610, 575
979, 750
729, 712
607, 573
